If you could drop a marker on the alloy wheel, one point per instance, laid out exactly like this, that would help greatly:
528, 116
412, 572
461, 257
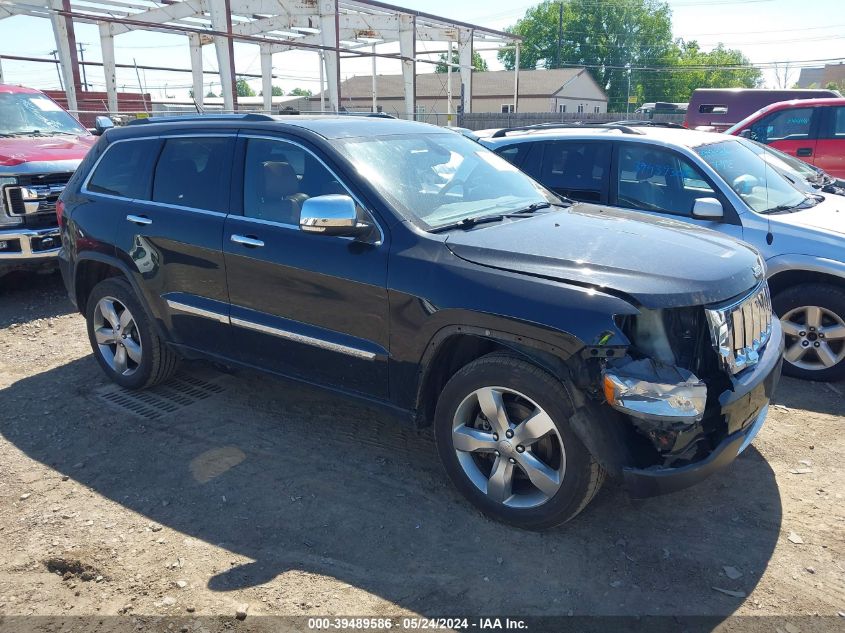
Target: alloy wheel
508, 447
815, 338
117, 336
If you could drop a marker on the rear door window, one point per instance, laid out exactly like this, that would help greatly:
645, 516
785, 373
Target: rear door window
784, 125
576, 169
835, 127
193, 172
124, 169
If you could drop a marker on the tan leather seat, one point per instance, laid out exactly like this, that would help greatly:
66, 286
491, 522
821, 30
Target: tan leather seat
279, 197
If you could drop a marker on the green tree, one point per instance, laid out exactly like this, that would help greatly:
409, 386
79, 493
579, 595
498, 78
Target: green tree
300, 92
603, 36
275, 91
243, 88
694, 68
478, 62
210, 93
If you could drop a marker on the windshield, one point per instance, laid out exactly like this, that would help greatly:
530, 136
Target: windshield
793, 163
23, 114
439, 179
753, 179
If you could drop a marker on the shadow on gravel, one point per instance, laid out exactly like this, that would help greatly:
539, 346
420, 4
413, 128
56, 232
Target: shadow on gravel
29, 296
313, 482
812, 396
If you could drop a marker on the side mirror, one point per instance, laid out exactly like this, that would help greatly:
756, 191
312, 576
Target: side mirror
331, 214
746, 133
101, 124
707, 209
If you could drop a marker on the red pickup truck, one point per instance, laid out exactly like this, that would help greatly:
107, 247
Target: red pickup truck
41, 145
811, 129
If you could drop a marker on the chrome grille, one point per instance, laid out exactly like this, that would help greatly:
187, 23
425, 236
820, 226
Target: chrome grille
741, 329
40, 198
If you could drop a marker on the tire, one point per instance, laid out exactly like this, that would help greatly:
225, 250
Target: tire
813, 320
567, 476
146, 358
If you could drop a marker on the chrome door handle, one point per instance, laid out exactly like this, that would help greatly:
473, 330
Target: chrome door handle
247, 241
138, 219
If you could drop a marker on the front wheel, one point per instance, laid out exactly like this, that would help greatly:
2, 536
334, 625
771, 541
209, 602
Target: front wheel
503, 435
813, 320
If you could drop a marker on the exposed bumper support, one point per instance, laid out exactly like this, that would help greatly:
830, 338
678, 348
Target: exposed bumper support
744, 409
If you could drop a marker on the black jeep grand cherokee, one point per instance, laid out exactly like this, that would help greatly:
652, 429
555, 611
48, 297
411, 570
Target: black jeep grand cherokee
549, 343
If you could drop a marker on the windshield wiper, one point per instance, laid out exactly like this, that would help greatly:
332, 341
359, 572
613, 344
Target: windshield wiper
809, 201
474, 220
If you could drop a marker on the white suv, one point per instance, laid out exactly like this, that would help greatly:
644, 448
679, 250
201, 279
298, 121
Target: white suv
714, 181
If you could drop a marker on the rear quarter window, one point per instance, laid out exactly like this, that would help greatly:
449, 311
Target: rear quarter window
124, 169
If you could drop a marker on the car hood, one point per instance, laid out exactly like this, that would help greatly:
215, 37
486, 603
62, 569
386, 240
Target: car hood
828, 215
17, 150
653, 262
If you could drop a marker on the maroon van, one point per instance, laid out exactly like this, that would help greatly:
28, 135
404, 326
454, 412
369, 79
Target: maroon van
717, 109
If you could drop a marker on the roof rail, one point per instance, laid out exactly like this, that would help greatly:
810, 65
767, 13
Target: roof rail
375, 115
552, 126
646, 123
252, 116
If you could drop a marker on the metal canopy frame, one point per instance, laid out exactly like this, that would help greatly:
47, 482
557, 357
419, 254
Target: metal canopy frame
328, 27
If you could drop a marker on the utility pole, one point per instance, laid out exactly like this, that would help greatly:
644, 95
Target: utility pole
82, 59
559, 32
55, 53
628, 100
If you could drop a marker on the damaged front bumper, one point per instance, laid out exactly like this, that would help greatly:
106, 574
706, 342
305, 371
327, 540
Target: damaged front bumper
743, 410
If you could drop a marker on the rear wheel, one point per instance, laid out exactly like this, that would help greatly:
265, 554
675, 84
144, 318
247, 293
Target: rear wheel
813, 320
503, 435
122, 338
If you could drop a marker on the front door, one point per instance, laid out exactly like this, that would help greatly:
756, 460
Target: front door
172, 237
662, 182
310, 306
792, 130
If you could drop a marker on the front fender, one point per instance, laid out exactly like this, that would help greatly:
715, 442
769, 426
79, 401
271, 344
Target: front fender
793, 262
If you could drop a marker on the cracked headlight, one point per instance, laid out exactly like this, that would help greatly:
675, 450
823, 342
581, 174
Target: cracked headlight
653, 391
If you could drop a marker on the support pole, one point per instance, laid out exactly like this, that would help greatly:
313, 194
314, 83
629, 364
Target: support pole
109, 71
322, 82
1, 71
516, 82
66, 45
375, 98
219, 21
267, 77
329, 36
465, 60
449, 85
195, 44
408, 51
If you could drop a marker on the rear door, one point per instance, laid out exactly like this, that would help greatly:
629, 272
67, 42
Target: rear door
305, 305
576, 169
830, 147
791, 130
171, 238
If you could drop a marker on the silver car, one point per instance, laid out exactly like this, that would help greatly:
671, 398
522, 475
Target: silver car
719, 182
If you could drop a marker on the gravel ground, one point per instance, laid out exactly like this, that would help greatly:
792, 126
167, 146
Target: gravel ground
261, 494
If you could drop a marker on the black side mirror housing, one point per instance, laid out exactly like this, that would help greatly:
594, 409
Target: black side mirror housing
101, 124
